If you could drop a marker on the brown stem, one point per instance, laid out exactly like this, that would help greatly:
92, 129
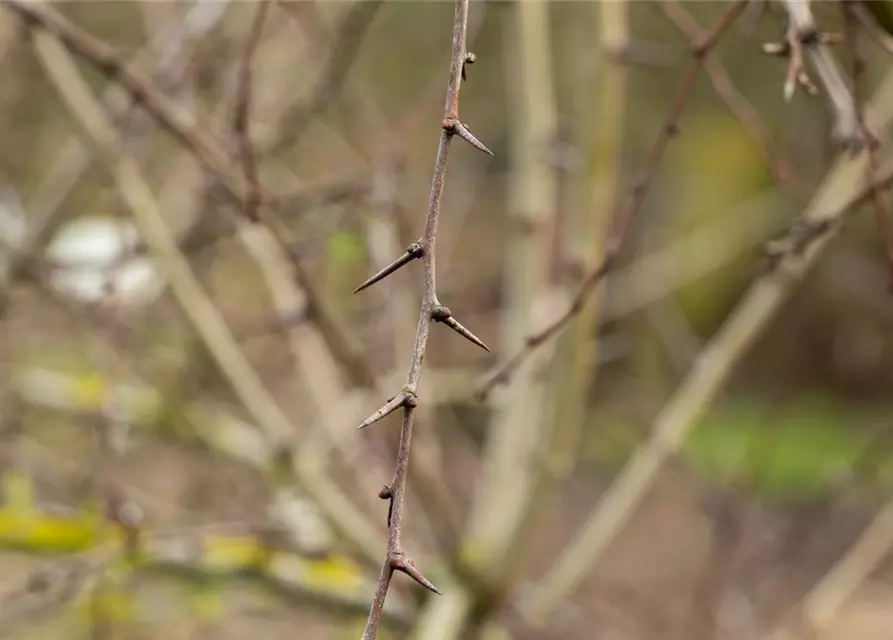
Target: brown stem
881, 210
344, 50
242, 114
431, 311
736, 102
699, 52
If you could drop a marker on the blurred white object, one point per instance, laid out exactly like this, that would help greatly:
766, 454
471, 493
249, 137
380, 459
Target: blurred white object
88, 255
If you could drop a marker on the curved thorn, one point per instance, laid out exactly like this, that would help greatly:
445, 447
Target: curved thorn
462, 131
412, 252
407, 566
390, 407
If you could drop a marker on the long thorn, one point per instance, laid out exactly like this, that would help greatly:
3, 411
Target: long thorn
444, 315
407, 566
457, 128
401, 399
413, 251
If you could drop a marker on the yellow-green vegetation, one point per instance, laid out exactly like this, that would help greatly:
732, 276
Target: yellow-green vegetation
800, 450
211, 556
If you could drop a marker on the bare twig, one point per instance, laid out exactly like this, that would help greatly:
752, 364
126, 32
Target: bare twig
387, 151
700, 51
431, 310
805, 39
879, 202
242, 117
344, 49
875, 31
824, 600
736, 102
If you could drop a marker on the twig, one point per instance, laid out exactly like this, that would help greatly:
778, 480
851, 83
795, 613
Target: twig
242, 117
736, 102
431, 311
841, 189
345, 47
875, 31
823, 601
700, 51
881, 210
804, 38
387, 151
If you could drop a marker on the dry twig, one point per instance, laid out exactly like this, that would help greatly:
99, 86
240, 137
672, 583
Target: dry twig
879, 201
431, 311
633, 202
344, 49
737, 103
804, 39
242, 117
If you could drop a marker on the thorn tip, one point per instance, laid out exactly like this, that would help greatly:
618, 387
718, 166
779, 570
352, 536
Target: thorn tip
404, 398
412, 252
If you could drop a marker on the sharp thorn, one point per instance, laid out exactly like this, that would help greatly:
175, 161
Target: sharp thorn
462, 131
454, 324
412, 252
444, 315
390, 407
407, 566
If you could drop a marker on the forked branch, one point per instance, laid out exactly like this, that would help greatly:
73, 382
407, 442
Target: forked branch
431, 311
633, 203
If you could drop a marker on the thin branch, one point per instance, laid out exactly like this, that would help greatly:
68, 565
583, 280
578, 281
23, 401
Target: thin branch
370, 139
736, 101
242, 117
634, 200
879, 202
841, 189
804, 38
824, 600
875, 31
345, 47
395, 558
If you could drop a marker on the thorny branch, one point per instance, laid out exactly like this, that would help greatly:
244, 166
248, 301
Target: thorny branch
431, 311
636, 196
881, 210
